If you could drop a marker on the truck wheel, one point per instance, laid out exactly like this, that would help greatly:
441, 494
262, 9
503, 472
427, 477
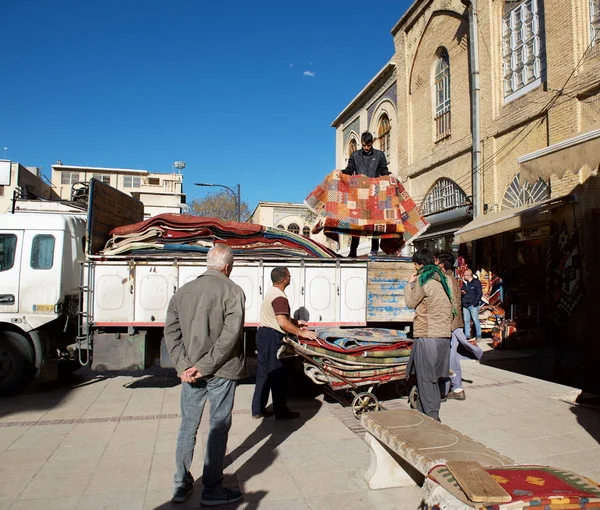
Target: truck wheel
17, 363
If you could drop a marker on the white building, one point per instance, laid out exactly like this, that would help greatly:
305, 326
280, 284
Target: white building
159, 192
24, 182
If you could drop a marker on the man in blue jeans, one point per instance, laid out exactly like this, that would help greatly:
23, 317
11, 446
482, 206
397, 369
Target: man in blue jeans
203, 334
471, 299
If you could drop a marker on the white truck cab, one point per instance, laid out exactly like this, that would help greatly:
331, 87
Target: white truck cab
40, 274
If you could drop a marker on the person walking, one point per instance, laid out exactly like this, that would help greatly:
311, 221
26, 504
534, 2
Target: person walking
203, 334
471, 299
429, 294
372, 163
275, 322
453, 388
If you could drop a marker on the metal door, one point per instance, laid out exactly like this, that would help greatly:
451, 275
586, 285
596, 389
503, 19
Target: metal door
353, 294
113, 294
248, 278
321, 293
154, 287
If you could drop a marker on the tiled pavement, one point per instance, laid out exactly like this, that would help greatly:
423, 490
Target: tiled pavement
108, 442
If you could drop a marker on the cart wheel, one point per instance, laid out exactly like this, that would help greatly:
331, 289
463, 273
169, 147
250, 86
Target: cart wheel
364, 403
413, 396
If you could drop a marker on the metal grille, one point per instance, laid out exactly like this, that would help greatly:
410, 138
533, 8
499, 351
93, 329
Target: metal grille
442, 97
445, 194
383, 134
522, 47
293, 228
595, 21
522, 193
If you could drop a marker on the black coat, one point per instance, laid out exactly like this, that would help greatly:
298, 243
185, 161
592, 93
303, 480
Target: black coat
472, 293
371, 164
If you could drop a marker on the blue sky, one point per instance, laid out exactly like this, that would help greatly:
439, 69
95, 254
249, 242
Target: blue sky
244, 92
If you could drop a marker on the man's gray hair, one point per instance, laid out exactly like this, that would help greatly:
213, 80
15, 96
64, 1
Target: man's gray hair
219, 256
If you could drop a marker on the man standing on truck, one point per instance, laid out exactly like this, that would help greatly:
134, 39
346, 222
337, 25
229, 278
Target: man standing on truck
429, 294
203, 334
372, 163
275, 322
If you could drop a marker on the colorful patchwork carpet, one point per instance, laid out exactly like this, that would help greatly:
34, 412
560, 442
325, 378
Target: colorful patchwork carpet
529, 486
361, 206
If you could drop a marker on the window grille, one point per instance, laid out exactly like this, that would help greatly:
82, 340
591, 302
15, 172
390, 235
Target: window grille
352, 147
104, 178
445, 194
595, 21
132, 182
69, 178
522, 48
442, 97
522, 193
293, 228
384, 135
306, 231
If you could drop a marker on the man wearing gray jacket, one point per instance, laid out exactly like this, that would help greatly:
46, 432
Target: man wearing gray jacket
203, 334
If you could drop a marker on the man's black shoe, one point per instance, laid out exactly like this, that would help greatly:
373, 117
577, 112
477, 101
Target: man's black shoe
264, 414
352, 256
287, 415
222, 496
181, 494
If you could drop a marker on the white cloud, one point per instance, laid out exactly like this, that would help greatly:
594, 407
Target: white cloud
291, 65
309, 73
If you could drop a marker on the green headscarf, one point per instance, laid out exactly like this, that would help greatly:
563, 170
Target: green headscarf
426, 273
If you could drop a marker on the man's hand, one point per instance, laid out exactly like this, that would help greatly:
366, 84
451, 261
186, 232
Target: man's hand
413, 278
307, 334
190, 375
302, 324
336, 174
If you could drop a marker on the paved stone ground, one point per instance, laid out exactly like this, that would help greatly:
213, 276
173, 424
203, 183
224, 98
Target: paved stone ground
108, 443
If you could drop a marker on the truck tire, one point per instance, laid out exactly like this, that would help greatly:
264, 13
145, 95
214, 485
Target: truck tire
17, 363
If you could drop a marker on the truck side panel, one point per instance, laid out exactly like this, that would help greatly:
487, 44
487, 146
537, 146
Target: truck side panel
385, 292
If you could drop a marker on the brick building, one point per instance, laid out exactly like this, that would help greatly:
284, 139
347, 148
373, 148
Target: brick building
539, 118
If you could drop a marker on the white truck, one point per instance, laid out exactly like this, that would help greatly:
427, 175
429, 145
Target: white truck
63, 302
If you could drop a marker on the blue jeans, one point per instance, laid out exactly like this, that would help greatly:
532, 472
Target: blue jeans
220, 393
471, 351
471, 312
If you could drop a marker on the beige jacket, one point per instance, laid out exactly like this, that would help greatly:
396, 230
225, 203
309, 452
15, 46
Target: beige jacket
454, 284
433, 310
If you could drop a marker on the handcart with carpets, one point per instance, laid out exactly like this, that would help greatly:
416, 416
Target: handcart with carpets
357, 360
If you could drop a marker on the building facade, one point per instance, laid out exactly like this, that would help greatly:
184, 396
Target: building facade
295, 218
159, 192
539, 125
22, 182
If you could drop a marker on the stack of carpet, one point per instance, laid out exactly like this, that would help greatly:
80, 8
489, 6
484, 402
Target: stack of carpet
359, 356
168, 233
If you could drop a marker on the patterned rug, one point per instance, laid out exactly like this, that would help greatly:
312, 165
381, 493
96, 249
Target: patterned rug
358, 205
529, 486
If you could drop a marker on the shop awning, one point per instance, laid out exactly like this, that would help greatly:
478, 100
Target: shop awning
571, 154
447, 222
508, 219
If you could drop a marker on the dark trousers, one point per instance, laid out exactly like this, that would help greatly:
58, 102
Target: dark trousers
356, 240
270, 376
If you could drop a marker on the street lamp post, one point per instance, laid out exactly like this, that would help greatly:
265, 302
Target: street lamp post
236, 196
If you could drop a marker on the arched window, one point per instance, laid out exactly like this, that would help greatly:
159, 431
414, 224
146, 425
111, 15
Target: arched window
383, 135
281, 227
522, 193
445, 194
352, 146
442, 95
306, 231
293, 228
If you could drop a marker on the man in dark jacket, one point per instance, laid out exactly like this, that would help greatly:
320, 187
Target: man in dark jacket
372, 163
471, 299
203, 334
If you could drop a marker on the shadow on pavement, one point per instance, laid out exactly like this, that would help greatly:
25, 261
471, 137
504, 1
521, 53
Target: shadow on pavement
269, 435
588, 418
